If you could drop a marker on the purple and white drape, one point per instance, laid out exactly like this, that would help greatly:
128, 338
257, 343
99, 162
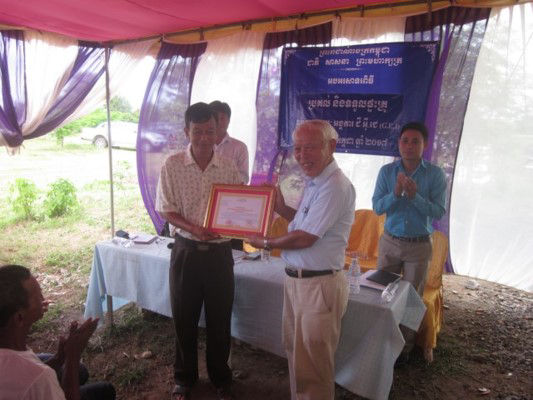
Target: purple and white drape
161, 121
13, 85
87, 69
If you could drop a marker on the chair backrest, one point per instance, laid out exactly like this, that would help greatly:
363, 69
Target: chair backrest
366, 230
438, 258
279, 227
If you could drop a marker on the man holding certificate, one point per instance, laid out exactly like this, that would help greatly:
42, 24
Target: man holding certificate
201, 263
316, 291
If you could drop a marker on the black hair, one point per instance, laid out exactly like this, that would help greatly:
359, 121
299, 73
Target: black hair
198, 113
219, 106
13, 296
417, 126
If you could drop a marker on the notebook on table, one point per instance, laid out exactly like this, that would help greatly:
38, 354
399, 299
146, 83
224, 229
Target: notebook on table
382, 277
143, 238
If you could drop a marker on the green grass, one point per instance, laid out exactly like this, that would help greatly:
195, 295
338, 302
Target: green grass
96, 186
70, 260
132, 375
130, 321
60, 250
50, 319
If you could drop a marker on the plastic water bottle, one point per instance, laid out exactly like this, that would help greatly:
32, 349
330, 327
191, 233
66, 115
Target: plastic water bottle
389, 292
265, 255
353, 276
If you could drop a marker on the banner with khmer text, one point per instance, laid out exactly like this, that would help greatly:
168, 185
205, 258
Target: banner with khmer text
367, 92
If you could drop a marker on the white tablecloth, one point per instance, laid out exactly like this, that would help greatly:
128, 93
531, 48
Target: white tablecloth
370, 338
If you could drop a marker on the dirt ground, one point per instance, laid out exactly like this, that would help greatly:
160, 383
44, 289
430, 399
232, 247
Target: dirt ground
484, 351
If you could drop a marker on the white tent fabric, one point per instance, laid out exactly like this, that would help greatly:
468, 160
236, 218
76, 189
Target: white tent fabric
228, 71
491, 226
49, 60
123, 63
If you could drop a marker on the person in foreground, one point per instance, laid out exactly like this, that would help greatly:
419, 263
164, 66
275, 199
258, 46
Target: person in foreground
23, 376
411, 191
227, 146
316, 290
201, 263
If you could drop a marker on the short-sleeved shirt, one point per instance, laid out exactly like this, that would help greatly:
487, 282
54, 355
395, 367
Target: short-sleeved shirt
236, 151
23, 376
327, 211
183, 188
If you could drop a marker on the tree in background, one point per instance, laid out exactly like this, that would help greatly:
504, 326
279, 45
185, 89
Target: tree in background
121, 104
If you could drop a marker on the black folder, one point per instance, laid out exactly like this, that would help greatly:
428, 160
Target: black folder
384, 277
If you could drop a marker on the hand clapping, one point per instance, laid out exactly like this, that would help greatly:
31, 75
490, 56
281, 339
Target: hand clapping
78, 337
405, 186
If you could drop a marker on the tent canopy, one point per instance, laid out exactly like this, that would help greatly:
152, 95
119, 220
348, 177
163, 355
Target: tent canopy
117, 20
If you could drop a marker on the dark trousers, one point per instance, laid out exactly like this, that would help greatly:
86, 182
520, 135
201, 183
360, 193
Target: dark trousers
88, 391
201, 274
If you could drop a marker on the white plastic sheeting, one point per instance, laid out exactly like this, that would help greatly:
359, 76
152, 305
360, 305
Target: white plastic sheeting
491, 219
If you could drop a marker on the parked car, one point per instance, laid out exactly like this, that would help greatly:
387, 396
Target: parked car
123, 134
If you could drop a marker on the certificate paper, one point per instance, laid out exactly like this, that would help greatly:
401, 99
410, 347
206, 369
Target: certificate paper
240, 211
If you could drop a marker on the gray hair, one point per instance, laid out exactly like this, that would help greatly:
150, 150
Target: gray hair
328, 131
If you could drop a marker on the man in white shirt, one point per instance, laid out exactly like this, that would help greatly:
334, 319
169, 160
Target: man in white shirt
23, 376
227, 146
316, 291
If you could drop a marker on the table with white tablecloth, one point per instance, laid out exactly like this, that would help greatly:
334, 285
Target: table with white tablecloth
370, 338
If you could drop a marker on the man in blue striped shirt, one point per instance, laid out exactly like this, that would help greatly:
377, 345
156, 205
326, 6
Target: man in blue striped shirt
412, 192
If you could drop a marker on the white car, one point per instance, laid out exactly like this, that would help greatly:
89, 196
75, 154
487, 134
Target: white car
123, 134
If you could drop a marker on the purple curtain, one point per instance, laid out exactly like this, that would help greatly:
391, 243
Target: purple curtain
13, 86
460, 32
267, 102
87, 69
161, 121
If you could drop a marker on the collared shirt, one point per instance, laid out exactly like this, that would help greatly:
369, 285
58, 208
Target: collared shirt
327, 211
184, 188
236, 151
405, 217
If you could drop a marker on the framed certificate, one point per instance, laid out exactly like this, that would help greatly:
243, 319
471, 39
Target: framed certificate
240, 211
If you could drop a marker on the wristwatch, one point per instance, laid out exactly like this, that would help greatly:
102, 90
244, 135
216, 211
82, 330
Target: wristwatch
265, 244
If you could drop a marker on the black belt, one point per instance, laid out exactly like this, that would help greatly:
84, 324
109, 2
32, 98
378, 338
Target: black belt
307, 273
200, 246
414, 239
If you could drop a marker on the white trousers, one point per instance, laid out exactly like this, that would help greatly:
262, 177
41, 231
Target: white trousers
312, 312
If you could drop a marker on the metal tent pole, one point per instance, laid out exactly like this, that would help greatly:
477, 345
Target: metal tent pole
110, 153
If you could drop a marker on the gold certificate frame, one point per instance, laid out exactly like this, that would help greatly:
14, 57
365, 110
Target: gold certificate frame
240, 211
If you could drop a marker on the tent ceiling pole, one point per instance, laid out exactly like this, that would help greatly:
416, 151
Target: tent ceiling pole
109, 299
109, 145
